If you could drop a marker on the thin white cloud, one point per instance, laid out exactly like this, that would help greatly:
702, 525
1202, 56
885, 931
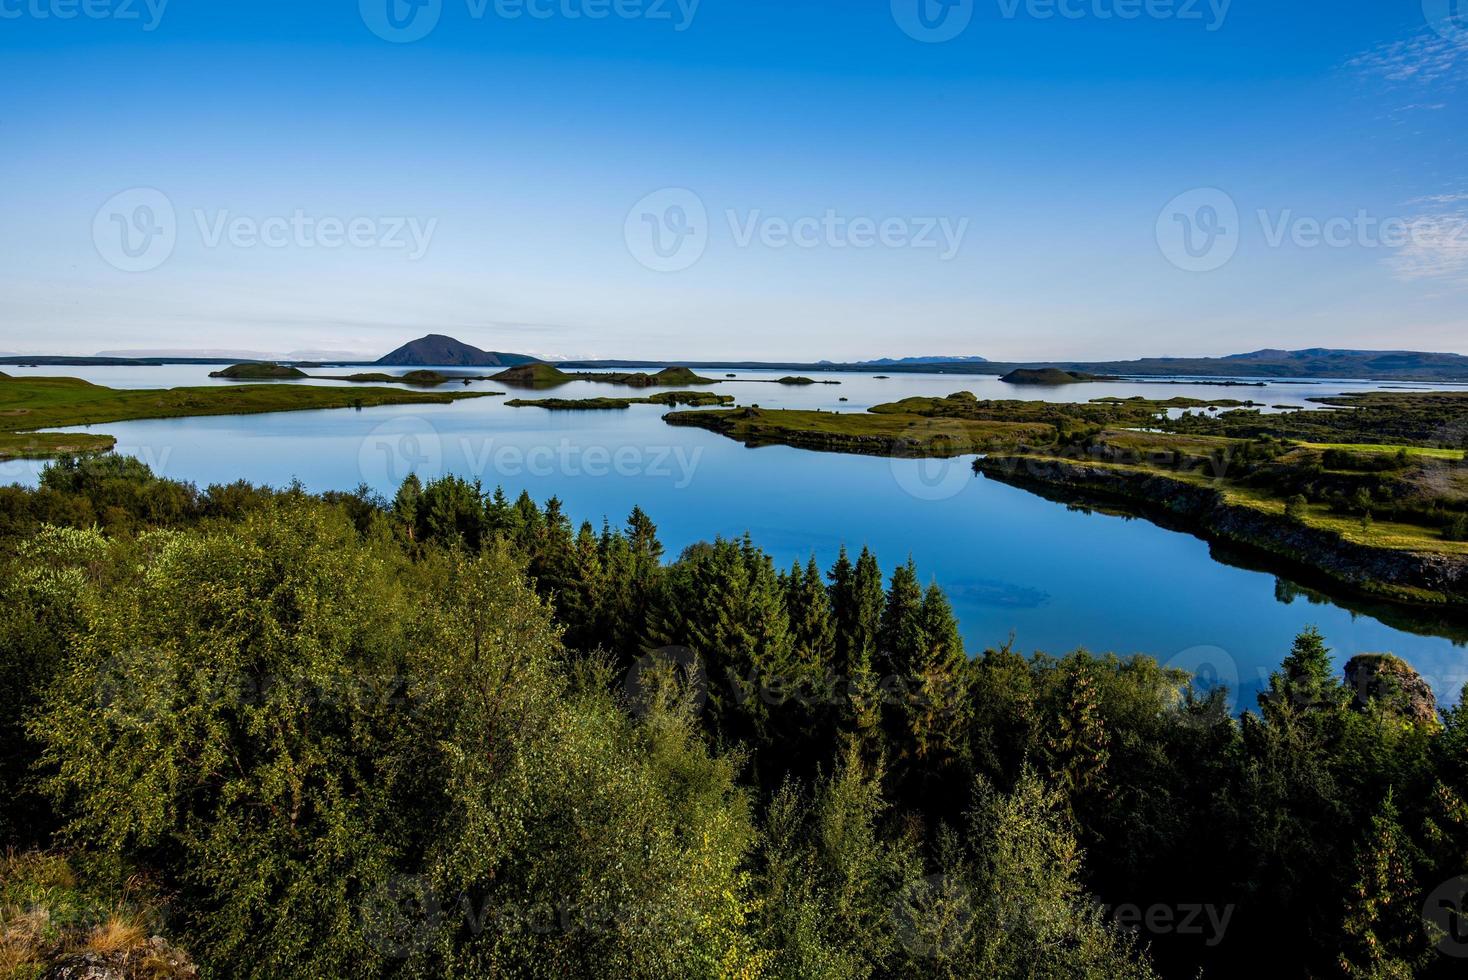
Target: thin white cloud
1436, 248
1424, 58
1440, 199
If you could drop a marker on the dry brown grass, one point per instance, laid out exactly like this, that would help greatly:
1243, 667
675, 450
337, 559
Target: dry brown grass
22, 939
55, 911
115, 936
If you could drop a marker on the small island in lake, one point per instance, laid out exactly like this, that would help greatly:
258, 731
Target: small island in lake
421, 378
549, 376
1049, 376
259, 371
696, 399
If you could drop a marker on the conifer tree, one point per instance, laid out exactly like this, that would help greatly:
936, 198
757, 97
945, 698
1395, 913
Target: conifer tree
1383, 921
499, 515
901, 641
944, 646
812, 623
1079, 748
869, 599
1305, 682
405, 505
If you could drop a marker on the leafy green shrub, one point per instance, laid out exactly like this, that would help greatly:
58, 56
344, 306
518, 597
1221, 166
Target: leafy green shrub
1295, 508
294, 721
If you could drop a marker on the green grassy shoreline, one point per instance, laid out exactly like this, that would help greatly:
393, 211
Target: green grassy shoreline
30, 405
900, 435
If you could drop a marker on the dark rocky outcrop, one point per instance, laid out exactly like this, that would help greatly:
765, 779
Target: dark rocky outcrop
1393, 685
154, 959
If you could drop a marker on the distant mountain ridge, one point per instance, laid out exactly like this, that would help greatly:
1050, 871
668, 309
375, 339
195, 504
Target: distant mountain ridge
1312, 363
436, 350
937, 359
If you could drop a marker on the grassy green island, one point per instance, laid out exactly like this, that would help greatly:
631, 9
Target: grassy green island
955, 425
887, 434
416, 379
425, 379
1049, 376
253, 371
549, 376
28, 405
692, 398
1369, 494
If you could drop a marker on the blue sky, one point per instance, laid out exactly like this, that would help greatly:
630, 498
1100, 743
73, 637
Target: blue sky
751, 179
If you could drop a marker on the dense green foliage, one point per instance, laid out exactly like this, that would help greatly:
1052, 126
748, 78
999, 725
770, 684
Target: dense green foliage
457, 734
1437, 418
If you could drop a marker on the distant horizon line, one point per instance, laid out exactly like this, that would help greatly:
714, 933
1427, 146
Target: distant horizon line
367, 357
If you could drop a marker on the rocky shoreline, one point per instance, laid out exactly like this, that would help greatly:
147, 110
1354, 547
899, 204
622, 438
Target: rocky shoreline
1415, 577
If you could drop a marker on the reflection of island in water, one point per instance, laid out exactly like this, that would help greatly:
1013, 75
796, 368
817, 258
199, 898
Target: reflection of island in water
1294, 581
997, 594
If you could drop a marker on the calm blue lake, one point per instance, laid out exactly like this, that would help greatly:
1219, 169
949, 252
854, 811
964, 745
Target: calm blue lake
1013, 563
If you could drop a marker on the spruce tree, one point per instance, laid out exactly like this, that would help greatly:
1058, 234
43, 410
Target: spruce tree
1079, 747
812, 622
944, 646
868, 600
405, 505
901, 643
